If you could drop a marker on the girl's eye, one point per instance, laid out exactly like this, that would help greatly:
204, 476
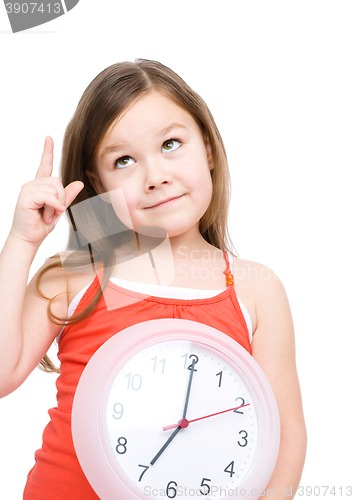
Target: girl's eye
123, 161
169, 146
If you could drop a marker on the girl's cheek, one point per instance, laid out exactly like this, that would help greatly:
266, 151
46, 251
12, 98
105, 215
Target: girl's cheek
120, 206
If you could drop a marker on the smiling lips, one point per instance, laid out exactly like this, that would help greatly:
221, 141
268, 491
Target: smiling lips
168, 201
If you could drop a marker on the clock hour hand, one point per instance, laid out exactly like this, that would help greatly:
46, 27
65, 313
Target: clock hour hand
173, 435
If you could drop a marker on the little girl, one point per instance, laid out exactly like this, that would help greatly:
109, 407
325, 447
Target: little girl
142, 159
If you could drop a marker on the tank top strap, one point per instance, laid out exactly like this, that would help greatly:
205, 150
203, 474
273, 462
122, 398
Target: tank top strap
229, 275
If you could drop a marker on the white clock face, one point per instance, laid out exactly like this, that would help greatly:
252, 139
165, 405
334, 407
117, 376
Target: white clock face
206, 456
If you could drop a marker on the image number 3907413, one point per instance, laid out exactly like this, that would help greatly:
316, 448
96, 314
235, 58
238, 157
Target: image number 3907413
24, 15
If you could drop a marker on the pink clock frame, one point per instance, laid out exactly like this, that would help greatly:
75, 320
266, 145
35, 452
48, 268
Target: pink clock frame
87, 418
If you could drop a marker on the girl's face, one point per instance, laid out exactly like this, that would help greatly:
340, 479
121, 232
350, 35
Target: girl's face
156, 152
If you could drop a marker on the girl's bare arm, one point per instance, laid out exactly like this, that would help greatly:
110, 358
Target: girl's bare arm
26, 333
273, 347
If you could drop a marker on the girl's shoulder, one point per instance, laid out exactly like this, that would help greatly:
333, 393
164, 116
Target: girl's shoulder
253, 273
258, 287
77, 279
49, 287
57, 280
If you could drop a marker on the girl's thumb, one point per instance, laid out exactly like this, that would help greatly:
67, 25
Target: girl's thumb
71, 191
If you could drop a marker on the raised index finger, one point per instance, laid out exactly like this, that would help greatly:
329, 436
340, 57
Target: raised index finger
46, 166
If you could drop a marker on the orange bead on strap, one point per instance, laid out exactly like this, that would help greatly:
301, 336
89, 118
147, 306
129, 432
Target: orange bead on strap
229, 275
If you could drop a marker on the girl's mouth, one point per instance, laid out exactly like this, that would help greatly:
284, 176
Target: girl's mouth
167, 202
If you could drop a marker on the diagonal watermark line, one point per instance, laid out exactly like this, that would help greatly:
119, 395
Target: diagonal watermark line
64, 6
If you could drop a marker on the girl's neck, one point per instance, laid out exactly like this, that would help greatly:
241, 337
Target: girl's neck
188, 245
187, 267
187, 262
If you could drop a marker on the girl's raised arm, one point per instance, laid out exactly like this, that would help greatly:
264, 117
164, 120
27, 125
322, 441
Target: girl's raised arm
26, 332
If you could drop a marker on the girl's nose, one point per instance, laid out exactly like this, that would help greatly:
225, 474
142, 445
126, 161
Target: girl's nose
156, 175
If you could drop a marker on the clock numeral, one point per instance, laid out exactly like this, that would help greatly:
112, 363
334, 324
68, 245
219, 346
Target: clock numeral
194, 362
203, 492
134, 381
118, 412
146, 468
171, 492
161, 361
243, 402
244, 438
219, 375
229, 469
121, 445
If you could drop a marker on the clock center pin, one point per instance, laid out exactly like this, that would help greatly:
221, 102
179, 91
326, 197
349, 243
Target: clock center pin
183, 423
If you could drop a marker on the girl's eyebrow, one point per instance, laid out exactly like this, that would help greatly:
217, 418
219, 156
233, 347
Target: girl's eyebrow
118, 147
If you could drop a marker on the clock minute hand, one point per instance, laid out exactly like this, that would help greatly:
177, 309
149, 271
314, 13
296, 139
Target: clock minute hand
188, 390
185, 423
178, 427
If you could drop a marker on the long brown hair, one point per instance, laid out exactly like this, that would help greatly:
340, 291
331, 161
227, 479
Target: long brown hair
99, 232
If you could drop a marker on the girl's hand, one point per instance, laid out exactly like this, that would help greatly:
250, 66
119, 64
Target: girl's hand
42, 201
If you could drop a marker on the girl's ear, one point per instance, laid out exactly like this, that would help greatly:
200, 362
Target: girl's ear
209, 152
97, 185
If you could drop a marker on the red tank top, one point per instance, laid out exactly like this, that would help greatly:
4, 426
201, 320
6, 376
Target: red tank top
57, 473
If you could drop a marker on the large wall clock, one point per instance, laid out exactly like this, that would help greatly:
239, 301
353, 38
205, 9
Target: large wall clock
173, 408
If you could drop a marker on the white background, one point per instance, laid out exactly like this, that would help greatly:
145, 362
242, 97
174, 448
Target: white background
278, 77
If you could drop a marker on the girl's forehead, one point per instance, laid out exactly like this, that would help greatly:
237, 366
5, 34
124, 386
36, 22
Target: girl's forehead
150, 111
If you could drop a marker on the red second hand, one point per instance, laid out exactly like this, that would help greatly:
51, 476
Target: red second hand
184, 422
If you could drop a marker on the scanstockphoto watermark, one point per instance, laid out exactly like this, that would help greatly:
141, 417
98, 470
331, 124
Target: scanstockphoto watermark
187, 270
173, 491
102, 225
